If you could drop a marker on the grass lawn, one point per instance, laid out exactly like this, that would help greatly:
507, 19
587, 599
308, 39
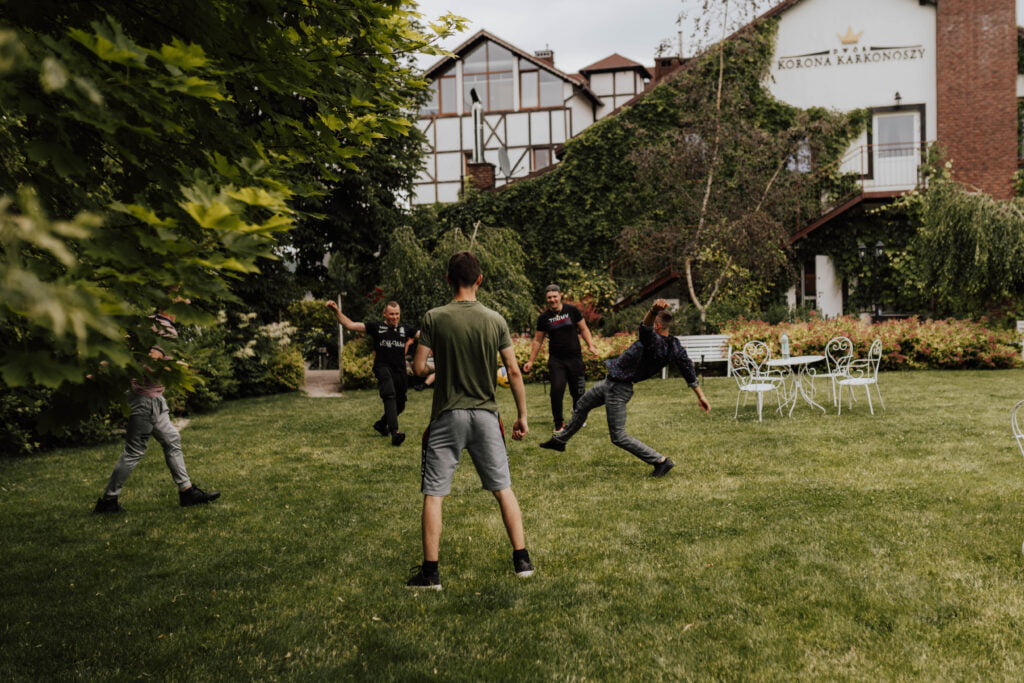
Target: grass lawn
822, 546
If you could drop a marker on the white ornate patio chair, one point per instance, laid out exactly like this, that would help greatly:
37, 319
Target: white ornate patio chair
759, 353
744, 370
838, 354
863, 372
1018, 433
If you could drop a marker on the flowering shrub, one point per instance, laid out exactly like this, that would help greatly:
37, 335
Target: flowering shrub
358, 358
607, 347
907, 344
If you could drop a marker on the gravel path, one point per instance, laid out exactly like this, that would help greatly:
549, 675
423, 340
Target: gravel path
322, 383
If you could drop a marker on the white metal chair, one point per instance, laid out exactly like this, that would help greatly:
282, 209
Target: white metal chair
1018, 433
759, 353
838, 354
744, 369
863, 372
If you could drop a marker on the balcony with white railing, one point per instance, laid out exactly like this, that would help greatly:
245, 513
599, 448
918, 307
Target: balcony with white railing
866, 173
890, 168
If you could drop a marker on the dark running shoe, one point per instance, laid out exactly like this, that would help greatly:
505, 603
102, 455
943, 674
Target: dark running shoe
196, 496
108, 505
662, 468
424, 581
523, 567
381, 427
397, 438
553, 444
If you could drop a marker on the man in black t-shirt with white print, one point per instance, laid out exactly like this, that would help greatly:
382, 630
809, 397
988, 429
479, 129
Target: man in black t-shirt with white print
562, 324
391, 342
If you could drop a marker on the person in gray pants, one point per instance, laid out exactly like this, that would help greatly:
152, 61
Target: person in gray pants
151, 417
654, 349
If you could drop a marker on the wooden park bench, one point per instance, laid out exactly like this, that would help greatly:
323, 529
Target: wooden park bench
705, 348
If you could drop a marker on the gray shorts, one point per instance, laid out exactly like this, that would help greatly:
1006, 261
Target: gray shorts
478, 431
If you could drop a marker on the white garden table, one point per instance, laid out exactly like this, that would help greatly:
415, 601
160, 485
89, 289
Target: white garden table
800, 384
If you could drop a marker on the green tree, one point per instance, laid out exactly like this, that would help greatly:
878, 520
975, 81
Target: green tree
579, 209
414, 272
966, 254
153, 150
727, 185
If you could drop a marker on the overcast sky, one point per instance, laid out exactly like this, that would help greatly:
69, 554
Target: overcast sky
581, 32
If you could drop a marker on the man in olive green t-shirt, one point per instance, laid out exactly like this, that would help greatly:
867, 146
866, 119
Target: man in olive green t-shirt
466, 339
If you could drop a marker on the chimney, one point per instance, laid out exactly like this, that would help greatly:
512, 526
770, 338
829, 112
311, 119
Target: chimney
663, 66
480, 175
546, 56
976, 65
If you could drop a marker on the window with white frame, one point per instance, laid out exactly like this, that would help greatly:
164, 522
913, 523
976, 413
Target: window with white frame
896, 135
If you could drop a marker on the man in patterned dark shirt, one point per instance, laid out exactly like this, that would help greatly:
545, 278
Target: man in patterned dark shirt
391, 341
645, 358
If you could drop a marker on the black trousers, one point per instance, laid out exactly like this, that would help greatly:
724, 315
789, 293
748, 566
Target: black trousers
565, 372
392, 384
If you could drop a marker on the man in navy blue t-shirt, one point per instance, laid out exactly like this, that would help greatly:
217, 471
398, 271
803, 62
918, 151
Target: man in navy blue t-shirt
391, 342
645, 358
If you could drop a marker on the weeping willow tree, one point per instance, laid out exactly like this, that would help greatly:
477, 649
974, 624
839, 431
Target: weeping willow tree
414, 272
967, 252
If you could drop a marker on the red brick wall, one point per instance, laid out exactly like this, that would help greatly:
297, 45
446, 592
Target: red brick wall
481, 175
976, 57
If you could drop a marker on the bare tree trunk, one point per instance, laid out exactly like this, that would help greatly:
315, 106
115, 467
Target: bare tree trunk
715, 152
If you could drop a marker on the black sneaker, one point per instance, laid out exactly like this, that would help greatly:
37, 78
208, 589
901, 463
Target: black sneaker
397, 438
662, 468
108, 505
553, 444
523, 567
381, 426
196, 496
424, 581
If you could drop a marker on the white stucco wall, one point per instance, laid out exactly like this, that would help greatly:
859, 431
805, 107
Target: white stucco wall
602, 84
581, 110
812, 66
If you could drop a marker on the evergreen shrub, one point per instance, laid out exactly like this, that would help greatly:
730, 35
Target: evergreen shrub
357, 362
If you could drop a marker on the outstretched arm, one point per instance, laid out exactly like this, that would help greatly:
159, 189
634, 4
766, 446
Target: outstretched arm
656, 308
538, 340
585, 333
410, 341
419, 361
701, 400
515, 382
346, 322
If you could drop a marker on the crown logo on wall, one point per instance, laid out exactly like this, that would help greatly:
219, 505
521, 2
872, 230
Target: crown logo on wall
850, 38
